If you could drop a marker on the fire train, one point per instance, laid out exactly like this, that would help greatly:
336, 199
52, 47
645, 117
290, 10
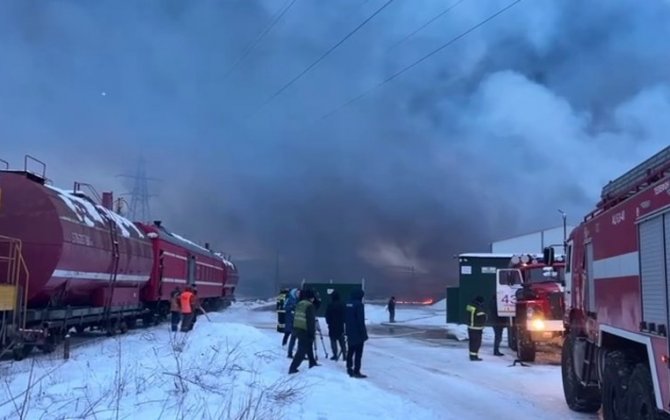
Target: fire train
616, 351
69, 261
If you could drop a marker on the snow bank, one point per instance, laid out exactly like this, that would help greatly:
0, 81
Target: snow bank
208, 373
440, 305
219, 370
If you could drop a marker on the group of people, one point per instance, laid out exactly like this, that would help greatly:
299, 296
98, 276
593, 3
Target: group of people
183, 307
346, 328
477, 322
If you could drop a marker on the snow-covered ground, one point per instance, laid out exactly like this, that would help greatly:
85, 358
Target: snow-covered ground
233, 366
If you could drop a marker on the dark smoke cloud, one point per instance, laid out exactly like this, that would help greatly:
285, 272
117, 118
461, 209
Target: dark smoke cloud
533, 112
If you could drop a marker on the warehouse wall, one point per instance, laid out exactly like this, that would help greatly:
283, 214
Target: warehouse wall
532, 242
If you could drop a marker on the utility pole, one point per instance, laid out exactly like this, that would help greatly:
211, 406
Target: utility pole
565, 233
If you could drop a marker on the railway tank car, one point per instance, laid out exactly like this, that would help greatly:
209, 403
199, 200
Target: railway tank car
79, 253
69, 261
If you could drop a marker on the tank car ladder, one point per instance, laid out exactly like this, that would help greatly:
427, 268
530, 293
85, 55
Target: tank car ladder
13, 295
112, 277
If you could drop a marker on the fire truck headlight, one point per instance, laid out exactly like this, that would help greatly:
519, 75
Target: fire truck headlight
530, 313
538, 324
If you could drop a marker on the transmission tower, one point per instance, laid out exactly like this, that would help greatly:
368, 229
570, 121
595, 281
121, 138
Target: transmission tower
139, 196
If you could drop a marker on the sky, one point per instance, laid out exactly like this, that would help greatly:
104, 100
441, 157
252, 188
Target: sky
531, 112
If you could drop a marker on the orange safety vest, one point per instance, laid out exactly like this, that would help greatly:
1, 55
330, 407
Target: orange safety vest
185, 300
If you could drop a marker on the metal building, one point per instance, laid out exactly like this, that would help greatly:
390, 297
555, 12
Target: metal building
532, 242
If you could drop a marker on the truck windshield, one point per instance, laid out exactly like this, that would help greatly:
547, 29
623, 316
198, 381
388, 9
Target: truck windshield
536, 275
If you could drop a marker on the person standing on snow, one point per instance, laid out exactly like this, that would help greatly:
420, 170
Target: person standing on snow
289, 309
281, 315
186, 303
498, 324
175, 310
476, 326
391, 309
304, 327
335, 321
357, 333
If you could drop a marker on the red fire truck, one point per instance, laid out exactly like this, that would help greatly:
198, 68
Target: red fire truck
615, 353
530, 293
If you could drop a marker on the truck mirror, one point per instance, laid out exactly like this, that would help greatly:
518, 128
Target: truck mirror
549, 255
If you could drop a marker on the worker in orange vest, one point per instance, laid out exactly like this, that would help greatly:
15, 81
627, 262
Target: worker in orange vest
187, 300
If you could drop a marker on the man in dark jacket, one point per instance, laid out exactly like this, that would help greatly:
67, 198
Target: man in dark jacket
498, 324
304, 328
477, 319
391, 308
335, 321
357, 333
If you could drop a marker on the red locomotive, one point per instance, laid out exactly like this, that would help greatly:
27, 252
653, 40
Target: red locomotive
67, 261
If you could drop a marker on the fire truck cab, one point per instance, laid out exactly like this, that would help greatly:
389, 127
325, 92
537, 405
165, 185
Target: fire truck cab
530, 294
616, 353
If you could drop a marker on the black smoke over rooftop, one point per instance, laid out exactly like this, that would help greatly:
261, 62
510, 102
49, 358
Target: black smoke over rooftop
533, 112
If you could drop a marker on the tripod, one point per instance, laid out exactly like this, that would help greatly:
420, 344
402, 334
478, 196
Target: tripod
318, 328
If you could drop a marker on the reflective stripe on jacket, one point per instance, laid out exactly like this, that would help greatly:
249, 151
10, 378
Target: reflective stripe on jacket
477, 317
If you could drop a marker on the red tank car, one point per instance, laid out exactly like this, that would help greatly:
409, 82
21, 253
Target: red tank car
78, 253
88, 267
179, 262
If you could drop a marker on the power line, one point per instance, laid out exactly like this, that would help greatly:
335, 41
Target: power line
419, 29
277, 17
422, 59
323, 56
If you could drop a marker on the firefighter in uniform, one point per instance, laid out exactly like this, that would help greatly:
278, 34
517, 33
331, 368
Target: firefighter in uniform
281, 313
476, 326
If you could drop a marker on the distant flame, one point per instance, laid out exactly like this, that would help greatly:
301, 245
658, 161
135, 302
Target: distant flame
428, 301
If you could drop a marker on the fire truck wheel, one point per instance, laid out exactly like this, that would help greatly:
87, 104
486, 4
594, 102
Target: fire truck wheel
578, 397
526, 348
641, 401
616, 374
511, 338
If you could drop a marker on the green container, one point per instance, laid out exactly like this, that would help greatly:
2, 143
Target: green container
453, 305
477, 277
325, 289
